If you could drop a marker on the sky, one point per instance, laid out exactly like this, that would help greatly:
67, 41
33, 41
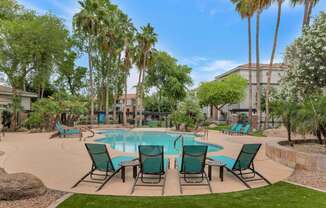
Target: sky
207, 35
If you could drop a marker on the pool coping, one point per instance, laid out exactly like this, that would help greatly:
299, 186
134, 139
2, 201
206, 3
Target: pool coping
150, 130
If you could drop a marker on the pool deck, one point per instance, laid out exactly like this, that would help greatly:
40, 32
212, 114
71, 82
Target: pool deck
59, 163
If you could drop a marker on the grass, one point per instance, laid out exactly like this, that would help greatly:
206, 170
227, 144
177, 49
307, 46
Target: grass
220, 127
282, 194
258, 133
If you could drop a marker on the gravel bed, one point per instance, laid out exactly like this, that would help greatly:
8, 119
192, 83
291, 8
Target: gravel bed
37, 202
309, 178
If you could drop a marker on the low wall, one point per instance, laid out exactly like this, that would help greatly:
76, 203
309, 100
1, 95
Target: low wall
294, 159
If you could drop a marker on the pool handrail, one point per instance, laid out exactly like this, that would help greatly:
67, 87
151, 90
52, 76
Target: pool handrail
175, 141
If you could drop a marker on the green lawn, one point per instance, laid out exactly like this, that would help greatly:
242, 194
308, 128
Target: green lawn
283, 195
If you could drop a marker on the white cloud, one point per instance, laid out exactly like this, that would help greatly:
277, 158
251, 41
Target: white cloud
210, 68
219, 66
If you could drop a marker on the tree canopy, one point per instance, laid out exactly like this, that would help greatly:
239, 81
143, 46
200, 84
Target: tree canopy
218, 93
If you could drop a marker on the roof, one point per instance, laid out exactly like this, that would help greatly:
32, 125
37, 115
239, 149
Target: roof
129, 96
275, 67
8, 91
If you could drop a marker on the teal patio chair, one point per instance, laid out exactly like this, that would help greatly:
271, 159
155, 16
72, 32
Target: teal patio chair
232, 128
237, 129
245, 130
243, 167
191, 166
102, 162
153, 167
66, 132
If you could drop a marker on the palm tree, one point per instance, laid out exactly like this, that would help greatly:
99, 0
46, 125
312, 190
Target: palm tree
245, 9
269, 76
145, 42
308, 5
259, 5
85, 23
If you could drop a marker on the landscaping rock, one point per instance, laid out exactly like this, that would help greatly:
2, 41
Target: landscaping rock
212, 125
20, 186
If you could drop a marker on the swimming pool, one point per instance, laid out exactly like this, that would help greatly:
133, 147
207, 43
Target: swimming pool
127, 141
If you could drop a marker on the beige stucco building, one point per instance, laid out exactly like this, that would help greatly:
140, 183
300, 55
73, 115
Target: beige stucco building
278, 70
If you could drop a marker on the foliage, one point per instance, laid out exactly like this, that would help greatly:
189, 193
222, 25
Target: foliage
306, 59
219, 93
169, 79
188, 113
281, 194
220, 127
70, 77
155, 103
47, 110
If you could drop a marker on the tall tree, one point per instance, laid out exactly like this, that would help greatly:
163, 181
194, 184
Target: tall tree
308, 5
259, 5
269, 75
85, 24
246, 10
146, 40
25, 53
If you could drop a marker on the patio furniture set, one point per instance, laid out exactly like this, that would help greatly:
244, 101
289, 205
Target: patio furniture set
150, 168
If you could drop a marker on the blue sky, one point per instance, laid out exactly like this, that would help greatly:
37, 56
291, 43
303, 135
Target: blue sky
207, 35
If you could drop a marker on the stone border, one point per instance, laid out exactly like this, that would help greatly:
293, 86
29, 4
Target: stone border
295, 159
57, 202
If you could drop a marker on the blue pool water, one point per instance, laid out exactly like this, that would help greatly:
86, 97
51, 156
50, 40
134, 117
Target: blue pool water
126, 141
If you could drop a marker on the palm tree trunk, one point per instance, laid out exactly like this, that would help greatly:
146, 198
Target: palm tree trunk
91, 89
269, 76
125, 100
258, 71
305, 15
138, 97
311, 4
107, 103
114, 107
250, 70
142, 99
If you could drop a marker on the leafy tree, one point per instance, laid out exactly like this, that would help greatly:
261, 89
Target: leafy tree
70, 77
188, 113
169, 79
219, 93
306, 59
26, 56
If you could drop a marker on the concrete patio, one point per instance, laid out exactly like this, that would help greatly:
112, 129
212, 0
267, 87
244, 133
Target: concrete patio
59, 163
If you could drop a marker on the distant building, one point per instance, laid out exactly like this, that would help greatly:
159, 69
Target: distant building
6, 98
6, 102
278, 70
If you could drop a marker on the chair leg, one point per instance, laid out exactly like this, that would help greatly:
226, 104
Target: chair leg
267, 181
164, 183
109, 178
180, 186
208, 183
134, 185
85, 176
243, 181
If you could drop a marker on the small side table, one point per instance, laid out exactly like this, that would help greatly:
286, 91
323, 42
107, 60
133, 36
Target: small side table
213, 163
133, 163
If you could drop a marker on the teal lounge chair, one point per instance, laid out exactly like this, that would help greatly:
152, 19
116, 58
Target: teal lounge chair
65, 132
102, 162
245, 129
191, 166
243, 167
232, 128
153, 167
237, 130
